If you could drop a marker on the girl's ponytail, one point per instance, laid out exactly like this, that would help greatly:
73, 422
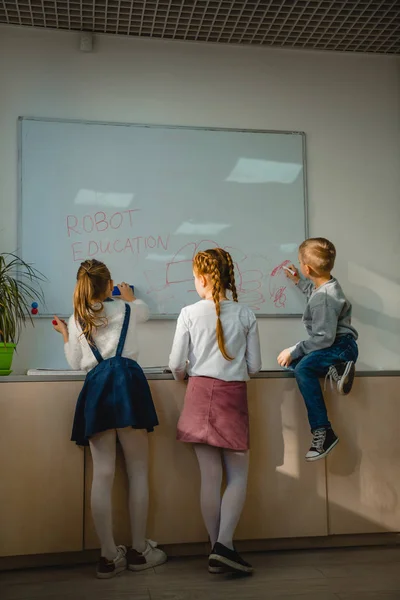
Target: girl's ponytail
93, 279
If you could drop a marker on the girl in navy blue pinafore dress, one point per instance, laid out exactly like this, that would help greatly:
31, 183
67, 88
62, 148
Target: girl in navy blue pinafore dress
115, 403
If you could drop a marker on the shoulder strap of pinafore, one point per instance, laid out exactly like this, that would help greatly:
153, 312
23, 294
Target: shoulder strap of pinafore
124, 330
93, 347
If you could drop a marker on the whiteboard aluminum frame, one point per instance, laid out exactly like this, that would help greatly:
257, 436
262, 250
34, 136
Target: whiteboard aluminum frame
160, 126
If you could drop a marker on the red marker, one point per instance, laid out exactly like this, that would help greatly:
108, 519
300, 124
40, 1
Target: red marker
54, 322
34, 311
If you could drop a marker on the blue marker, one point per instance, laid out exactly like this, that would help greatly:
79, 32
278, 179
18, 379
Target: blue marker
116, 291
35, 305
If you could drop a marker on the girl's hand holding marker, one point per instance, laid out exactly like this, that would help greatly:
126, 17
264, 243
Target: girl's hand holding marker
124, 291
60, 326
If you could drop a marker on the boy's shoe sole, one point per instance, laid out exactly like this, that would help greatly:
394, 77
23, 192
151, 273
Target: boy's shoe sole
346, 381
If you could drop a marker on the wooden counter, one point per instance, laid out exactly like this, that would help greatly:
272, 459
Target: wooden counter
46, 479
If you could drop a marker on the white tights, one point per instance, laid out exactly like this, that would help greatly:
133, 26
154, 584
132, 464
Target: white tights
134, 444
222, 516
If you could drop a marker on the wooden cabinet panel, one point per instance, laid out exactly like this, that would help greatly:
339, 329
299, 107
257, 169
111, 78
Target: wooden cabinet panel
45, 494
41, 470
363, 471
286, 496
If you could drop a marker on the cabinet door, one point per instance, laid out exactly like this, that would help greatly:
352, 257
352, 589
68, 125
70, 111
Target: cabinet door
363, 471
41, 470
174, 514
286, 496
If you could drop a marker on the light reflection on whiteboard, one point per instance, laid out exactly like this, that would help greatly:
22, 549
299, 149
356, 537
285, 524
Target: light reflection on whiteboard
254, 170
191, 228
95, 198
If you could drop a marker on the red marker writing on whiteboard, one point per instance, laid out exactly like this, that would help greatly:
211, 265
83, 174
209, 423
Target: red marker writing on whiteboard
290, 270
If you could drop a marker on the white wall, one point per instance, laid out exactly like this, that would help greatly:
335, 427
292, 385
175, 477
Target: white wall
348, 105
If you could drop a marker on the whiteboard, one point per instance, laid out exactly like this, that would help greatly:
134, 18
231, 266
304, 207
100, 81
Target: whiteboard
144, 199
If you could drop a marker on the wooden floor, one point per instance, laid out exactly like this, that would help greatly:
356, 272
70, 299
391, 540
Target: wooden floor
340, 574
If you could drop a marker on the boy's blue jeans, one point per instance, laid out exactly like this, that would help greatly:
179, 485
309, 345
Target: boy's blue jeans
310, 367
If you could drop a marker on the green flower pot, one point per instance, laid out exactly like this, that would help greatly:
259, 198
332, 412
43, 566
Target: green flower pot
6, 356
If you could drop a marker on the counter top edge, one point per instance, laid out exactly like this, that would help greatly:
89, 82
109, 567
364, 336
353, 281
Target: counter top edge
270, 374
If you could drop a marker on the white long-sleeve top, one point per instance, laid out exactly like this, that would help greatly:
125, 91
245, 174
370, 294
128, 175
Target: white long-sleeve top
77, 350
195, 348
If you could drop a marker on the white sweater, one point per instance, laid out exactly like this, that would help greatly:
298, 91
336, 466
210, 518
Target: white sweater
195, 349
77, 350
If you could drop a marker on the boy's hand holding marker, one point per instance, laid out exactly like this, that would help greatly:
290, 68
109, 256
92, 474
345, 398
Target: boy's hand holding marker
292, 273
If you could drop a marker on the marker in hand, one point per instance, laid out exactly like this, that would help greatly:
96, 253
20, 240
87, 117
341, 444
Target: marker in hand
290, 270
55, 322
60, 326
117, 292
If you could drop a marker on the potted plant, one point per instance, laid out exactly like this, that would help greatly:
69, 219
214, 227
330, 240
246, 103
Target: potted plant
20, 285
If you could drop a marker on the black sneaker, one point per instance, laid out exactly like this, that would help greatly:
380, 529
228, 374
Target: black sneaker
324, 440
343, 375
230, 559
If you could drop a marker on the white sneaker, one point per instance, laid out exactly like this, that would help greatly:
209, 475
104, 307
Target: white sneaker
110, 568
151, 557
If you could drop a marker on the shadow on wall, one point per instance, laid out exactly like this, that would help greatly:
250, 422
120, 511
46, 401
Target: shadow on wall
376, 303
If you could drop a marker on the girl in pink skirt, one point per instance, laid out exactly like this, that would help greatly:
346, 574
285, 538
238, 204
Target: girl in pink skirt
217, 344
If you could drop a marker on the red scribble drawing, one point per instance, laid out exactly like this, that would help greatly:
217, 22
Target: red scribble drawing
249, 287
276, 289
179, 272
280, 297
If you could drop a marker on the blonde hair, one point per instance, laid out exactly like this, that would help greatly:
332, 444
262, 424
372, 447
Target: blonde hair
319, 253
93, 279
219, 265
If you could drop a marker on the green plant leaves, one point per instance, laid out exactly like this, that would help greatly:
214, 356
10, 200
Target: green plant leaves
19, 286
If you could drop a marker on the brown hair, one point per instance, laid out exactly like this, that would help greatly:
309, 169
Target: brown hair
219, 265
320, 253
92, 281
